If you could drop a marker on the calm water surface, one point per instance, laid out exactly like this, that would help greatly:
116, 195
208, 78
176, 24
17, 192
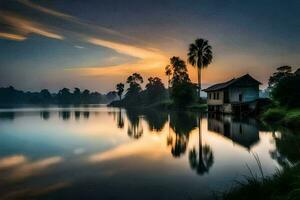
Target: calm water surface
110, 153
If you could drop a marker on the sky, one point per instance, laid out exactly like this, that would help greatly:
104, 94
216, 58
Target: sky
96, 44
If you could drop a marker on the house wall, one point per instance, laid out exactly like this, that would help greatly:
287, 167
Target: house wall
249, 93
212, 101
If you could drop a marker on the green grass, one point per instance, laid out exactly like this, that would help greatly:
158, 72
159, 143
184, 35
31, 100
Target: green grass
284, 185
286, 117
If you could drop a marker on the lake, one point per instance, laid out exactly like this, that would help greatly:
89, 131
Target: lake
97, 152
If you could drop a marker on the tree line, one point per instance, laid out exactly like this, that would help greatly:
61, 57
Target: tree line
10, 95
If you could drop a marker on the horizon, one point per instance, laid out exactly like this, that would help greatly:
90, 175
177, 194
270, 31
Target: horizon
55, 44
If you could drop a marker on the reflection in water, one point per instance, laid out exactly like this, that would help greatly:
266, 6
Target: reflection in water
155, 119
182, 123
93, 156
45, 115
241, 131
77, 115
7, 115
287, 150
120, 120
135, 129
205, 155
65, 115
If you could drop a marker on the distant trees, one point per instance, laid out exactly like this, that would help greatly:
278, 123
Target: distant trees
200, 55
10, 96
135, 96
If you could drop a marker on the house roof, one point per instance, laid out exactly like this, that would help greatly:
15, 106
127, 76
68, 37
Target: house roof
246, 79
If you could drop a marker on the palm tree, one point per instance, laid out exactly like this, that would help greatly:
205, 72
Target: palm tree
200, 56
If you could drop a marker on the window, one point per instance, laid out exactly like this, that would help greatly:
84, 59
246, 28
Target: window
209, 95
217, 95
214, 95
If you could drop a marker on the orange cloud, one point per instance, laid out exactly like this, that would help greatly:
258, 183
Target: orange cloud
11, 36
27, 27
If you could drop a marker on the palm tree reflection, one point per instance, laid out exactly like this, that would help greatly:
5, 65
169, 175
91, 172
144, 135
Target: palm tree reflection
205, 158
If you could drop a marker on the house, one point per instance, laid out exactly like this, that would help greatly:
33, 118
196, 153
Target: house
236, 95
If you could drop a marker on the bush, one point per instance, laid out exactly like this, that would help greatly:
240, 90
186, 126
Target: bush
183, 93
273, 115
292, 119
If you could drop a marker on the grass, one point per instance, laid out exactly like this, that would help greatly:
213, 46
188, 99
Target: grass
284, 185
282, 116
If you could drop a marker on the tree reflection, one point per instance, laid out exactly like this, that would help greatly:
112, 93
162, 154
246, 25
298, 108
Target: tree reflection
65, 115
120, 120
135, 129
182, 123
205, 158
287, 147
155, 119
45, 115
7, 115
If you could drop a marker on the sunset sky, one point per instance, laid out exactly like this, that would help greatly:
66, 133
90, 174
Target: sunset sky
97, 43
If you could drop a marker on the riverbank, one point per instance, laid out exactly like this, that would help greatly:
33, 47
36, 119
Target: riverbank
289, 118
164, 105
283, 185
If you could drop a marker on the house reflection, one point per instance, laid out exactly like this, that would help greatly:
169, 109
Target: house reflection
241, 131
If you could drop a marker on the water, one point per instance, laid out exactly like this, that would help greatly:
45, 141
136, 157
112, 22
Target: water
110, 153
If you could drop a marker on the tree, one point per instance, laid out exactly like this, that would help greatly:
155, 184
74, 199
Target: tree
77, 95
179, 69
134, 82
155, 89
282, 72
64, 96
86, 96
287, 91
183, 91
120, 89
45, 96
200, 56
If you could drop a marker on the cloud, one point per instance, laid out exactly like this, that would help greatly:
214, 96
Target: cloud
11, 36
12, 161
45, 10
24, 26
126, 49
